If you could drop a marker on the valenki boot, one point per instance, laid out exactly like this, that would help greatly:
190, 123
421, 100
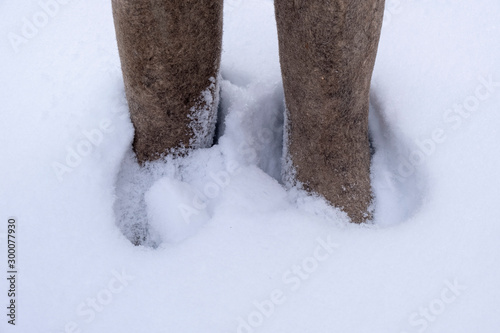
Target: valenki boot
170, 55
327, 54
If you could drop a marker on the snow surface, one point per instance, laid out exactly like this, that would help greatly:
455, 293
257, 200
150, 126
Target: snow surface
254, 256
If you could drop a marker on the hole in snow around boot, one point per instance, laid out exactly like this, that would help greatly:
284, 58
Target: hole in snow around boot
397, 183
169, 200
130, 206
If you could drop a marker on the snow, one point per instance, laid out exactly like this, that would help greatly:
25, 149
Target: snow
255, 256
171, 211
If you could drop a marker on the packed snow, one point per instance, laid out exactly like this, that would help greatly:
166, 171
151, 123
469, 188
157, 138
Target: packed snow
226, 246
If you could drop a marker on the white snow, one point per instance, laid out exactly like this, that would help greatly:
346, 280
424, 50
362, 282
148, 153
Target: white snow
255, 257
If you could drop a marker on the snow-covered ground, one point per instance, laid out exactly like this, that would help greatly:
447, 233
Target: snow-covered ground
237, 251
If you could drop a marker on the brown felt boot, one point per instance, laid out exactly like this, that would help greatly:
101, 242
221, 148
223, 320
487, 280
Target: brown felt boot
327, 54
170, 55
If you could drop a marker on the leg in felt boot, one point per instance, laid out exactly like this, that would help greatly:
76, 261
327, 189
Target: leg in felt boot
170, 55
327, 54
